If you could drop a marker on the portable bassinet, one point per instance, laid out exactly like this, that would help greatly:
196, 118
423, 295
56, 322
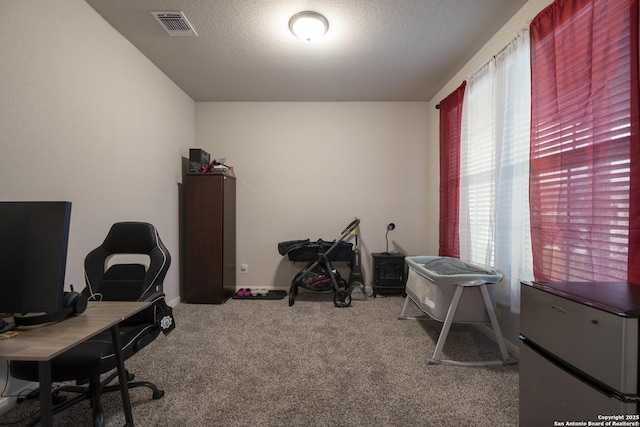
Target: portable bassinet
449, 291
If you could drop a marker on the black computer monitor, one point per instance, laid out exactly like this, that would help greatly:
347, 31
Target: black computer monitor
33, 256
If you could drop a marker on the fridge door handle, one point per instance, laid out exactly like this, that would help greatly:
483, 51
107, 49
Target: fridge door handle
576, 373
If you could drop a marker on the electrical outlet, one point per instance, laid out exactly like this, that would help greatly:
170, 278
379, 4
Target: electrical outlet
244, 268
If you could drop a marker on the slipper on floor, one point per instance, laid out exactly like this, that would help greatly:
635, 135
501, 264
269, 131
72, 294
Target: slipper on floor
262, 294
242, 292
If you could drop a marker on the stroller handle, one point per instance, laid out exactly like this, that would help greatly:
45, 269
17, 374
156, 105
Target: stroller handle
352, 226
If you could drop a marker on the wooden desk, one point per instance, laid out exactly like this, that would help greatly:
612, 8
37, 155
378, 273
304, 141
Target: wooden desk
43, 343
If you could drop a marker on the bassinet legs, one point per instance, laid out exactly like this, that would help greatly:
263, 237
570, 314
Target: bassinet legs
437, 354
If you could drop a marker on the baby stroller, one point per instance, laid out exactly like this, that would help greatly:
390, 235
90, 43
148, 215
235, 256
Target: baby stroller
319, 274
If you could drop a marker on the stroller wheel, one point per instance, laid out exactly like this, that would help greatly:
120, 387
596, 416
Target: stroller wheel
342, 299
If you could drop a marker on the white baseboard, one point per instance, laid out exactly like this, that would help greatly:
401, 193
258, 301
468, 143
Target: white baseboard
9, 402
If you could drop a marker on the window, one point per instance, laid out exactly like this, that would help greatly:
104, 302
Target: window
556, 197
494, 168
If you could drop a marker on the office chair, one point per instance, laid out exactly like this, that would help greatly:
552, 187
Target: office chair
86, 362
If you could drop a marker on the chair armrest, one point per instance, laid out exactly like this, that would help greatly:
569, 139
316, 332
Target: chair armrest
152, 296
164, 315
159, 313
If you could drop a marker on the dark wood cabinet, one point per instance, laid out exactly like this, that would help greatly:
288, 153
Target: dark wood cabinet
210, 237
389, 273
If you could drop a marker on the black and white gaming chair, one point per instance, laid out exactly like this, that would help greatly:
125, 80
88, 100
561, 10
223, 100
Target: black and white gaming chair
127, 281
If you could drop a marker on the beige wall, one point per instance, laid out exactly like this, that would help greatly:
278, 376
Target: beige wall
85, 117
306, 169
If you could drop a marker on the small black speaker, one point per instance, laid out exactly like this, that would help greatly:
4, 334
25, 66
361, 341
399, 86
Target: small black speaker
198, 159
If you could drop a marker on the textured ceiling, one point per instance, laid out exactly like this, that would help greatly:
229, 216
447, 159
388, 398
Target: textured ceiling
375, 50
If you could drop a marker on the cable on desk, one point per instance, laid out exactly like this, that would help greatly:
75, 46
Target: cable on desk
97, 297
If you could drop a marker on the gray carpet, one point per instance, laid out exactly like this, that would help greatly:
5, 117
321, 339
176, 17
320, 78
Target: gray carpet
263, 363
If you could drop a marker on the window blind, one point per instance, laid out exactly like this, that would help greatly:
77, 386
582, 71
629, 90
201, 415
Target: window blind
581, 139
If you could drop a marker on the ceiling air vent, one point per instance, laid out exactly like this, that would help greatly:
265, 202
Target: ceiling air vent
175, 23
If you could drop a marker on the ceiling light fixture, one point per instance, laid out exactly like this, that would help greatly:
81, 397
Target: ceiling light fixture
308, 25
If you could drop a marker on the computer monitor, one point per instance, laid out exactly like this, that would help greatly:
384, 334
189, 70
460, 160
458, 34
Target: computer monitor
33, 256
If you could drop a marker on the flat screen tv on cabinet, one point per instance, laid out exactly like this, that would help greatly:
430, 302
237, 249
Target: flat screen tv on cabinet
33, 256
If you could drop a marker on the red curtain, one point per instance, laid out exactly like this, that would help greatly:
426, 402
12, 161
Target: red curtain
584, 183
450, 124
634, 191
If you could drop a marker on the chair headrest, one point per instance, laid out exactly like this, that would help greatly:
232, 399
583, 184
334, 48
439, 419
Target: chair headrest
131, 238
